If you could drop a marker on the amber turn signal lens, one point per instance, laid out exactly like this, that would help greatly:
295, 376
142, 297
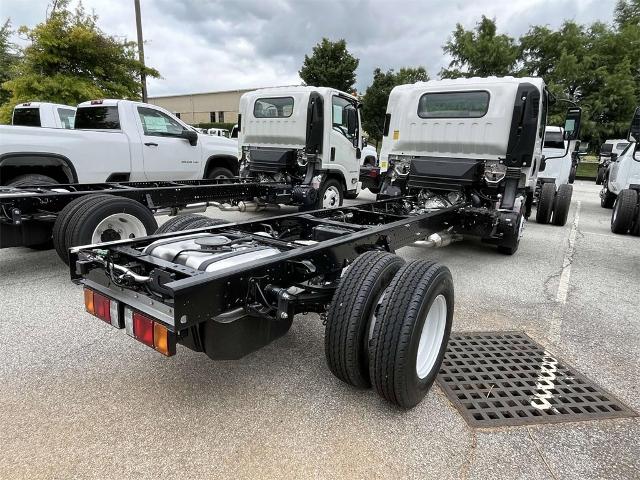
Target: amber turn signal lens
88, 301
162, 340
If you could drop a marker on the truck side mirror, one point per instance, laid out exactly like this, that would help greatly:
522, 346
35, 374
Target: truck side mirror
572, 123
613, 158
634, 129
352, 120
191, 136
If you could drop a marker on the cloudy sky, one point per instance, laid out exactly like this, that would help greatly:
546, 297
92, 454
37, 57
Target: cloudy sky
208, 45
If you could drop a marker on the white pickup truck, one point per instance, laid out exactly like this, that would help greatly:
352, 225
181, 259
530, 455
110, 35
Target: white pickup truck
43, 114
114, 141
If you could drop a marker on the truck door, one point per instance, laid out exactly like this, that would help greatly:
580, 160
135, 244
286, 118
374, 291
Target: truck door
344, 140
167, 155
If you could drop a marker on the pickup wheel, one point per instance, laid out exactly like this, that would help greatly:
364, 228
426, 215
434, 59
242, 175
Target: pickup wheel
62, 222
411, 333
31, 179
624, 211
220, 173
187, 222
106, 219
561, 205
545, 203
331, 194
352, 311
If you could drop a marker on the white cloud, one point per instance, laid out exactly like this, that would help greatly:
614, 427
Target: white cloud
227, 44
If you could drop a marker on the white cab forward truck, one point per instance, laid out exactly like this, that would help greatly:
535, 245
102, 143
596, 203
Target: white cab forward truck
609, 151
43, 114
621, 189
474, 141
305, 136
114, 141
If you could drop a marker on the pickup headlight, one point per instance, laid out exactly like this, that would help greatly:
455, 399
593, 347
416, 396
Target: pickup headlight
400, 163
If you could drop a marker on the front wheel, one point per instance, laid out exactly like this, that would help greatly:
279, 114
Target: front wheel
331, 194
607, 199
30, 179
545, 203
624, 211
410, 335
562, 204
220, 173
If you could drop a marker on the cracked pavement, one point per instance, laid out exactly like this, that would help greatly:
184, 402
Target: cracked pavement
82, 400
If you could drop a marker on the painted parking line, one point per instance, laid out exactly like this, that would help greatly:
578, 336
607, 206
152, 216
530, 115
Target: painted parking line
565, 275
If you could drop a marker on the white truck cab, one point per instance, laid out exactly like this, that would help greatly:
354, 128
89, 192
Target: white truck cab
43, 114
609, 151
560, 157
471, 141
621, 188
306, 136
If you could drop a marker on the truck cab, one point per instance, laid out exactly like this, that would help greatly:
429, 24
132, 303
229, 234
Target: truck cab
472, 140
560, 157
43, 114
306, 136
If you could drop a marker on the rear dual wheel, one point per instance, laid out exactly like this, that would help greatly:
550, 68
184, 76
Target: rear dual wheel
100, 218
553, 206
388, 326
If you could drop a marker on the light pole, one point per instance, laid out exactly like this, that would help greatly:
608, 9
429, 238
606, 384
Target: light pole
143, 76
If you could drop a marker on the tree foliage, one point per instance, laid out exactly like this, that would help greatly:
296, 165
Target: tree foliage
330, 65
376, 97
480, 52
70, 60
8, 59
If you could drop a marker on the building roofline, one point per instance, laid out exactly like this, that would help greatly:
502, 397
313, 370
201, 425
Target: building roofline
236, 90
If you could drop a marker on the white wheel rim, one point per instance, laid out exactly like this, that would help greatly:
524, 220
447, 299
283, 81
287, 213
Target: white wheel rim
331, 197
118, 226
431, 336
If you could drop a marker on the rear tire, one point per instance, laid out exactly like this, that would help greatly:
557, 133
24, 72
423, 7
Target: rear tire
90, 222
572, 173
562, 204
32, 179
545, 203
350, 313
600, 176
186, 221
624, 211
220, 173
62, 222
404, 358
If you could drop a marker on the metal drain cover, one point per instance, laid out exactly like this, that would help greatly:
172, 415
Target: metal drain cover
505, 378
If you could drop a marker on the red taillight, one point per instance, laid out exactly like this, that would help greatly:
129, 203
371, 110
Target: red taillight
101, 305
143, 328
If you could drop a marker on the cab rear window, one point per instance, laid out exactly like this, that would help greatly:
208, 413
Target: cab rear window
97, 118
453, 104
26, 117
277, 107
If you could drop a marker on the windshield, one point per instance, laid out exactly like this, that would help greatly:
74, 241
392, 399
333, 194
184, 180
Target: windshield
606, 148
27, 117
553, 140
97, 118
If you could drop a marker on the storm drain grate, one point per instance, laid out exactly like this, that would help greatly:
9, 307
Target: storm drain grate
505, 378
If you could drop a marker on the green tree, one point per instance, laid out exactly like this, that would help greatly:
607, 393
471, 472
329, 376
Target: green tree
480, 52
330, 65
376, 97
8, 59
70, 60
627, 12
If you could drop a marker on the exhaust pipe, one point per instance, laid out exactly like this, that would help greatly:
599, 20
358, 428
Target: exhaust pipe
246, 207
442, 239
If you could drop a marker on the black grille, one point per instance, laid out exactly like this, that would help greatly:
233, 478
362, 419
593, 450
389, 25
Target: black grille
271, 160
505, 378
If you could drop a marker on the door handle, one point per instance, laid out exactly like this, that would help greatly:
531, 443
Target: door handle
151, 144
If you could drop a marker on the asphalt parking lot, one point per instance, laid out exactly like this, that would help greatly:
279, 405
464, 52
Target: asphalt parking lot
79, 399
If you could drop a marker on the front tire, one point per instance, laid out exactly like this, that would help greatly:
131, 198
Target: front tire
220, 173
624, 211
330, 195
351, 312
411, 333
562, 204
545, 203
607, 199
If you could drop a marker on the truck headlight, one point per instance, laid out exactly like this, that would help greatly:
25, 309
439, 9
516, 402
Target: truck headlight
401, 164
301, 157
